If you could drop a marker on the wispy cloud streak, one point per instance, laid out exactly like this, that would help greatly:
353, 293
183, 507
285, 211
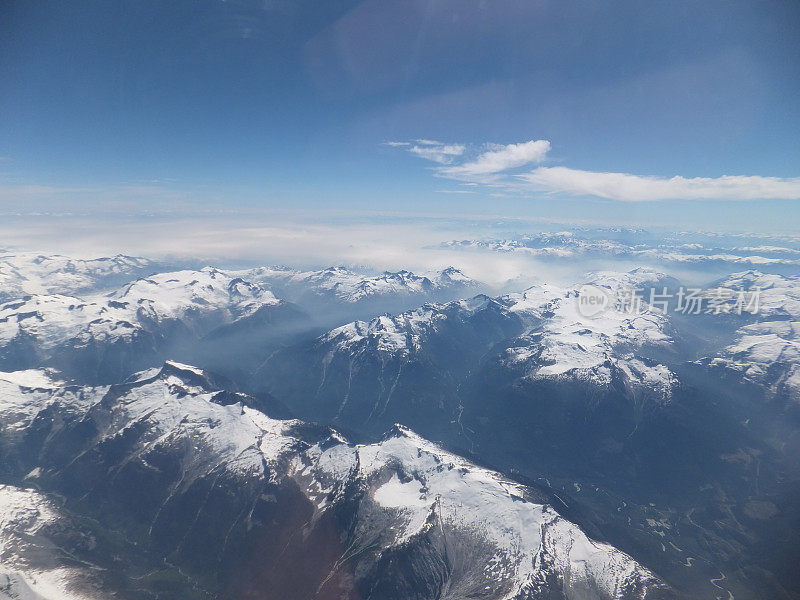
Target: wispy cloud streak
634, 188
497, 159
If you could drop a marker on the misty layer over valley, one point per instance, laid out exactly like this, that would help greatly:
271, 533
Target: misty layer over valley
183, 431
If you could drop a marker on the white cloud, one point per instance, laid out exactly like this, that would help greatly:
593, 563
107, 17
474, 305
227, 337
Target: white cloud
635, 188
491, 168
433, 150
436, 152
485, 167
498, 159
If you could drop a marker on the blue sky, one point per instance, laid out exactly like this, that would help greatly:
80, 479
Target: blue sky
243, 105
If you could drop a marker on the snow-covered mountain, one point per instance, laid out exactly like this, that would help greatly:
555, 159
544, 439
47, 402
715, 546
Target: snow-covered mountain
24, 274
403, 368
594, 405
206, 298
766, 348
105, 337
563, 343
30, 524
233, 503
412, 365
628, 419
767, 354
64, 312
348, 286
338, 295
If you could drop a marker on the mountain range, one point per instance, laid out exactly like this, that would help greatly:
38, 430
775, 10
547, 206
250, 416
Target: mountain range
391, 435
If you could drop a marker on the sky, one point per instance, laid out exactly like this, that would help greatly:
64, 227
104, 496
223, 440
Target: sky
670, 113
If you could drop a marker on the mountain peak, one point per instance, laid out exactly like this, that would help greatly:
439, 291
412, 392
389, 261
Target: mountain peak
399, 430
192, 377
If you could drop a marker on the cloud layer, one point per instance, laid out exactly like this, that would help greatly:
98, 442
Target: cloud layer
498, 165
257, 238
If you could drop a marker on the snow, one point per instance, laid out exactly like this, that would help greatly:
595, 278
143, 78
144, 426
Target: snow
25, 274
639, 278
561, 341
234, 434
350, 287
55, 319
558, 340
571, 245
24, 393
171, 409
779, 296
185, 367
201, 299
177, 293
23, 514
30, 378
396, 494
20, 507
391, 334
767, 352
39, 311
483, 505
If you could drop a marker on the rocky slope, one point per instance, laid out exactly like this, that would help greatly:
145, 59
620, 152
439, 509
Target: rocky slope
233, 503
